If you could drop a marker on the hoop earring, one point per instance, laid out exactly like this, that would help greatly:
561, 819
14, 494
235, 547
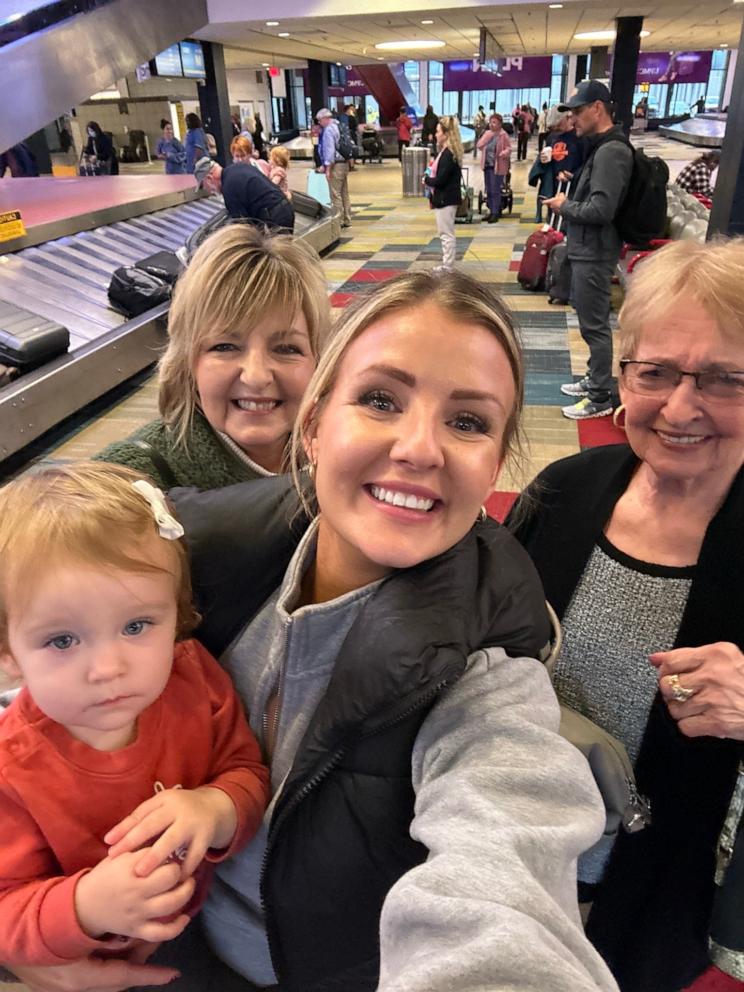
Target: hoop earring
616, 416
311, 469
482, 514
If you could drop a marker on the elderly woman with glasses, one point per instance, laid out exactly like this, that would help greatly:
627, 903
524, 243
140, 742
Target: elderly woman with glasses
641, 551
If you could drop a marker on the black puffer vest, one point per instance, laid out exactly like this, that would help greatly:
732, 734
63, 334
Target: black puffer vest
339, 836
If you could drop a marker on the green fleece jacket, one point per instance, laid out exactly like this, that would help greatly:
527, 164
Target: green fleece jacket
205, 462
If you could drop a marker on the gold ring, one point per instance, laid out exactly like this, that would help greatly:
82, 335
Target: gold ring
679, 692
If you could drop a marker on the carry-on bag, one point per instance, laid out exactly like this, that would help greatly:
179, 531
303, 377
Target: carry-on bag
166, 265
558, 278
533, 268
306, 205
464, 213
27, 340
132, 291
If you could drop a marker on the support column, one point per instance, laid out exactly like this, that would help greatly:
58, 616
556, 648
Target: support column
214, 102
727, 215
582, 66
625, 68
600, 62
317, 79
729, 83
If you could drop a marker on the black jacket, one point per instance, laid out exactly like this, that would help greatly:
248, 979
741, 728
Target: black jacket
249, 195
446, 183
651, 916
339, 836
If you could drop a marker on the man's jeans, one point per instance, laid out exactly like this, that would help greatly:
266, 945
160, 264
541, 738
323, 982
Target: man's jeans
590, 294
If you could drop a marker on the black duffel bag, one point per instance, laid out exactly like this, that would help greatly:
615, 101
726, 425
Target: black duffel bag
132, 290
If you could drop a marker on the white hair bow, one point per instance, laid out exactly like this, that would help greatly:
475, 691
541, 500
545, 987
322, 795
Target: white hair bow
168, 526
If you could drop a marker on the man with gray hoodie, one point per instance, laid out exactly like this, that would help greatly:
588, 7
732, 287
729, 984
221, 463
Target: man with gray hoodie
593, 242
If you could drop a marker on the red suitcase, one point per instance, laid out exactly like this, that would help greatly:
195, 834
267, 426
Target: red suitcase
534, 265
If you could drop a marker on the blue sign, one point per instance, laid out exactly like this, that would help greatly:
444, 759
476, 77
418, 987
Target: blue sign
168, 63
192, 59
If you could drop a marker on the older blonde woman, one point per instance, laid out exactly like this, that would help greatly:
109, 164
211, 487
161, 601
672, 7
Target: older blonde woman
640, 549
427, 816
445, 181
244, 334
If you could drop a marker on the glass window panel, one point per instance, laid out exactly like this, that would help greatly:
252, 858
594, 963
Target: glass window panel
435, 95
373, 110
436, 70
450, 103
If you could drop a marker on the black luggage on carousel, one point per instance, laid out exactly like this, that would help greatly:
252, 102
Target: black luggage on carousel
558, 277
163, 264
27, 340
306, 205
132, 291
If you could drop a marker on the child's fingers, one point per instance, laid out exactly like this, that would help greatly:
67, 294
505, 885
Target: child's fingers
155, 931
194, 856
141, 829
174, 839
164, 879
137, 815
170, 902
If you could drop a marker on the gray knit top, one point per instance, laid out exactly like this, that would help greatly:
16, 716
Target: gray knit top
621, 611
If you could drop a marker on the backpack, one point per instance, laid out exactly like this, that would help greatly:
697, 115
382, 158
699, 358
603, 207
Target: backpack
642, 215
346, 147
519, 122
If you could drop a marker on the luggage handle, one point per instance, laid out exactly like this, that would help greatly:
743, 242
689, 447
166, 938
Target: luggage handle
551, 219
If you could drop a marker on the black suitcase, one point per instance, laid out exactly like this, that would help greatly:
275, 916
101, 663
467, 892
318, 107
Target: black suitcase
27, 340
164, 264
306, 205
558, 278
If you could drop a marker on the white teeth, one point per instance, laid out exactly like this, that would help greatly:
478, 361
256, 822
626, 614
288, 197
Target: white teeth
263, 405
681, 439
407, 500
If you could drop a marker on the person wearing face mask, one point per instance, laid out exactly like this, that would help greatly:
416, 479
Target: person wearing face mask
99, 151
640, 552
244, 334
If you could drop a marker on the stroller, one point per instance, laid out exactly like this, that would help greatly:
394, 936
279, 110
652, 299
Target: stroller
372, 145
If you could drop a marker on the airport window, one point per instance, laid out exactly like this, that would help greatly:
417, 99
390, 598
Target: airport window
436, 95
413, 75
372, 110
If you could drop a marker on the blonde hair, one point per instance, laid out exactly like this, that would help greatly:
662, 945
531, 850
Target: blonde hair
451, 128
279, 156
460, 296
243, 144
88, 513
237, 277
711, 273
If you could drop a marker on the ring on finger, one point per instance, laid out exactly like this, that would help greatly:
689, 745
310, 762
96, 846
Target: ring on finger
679, 692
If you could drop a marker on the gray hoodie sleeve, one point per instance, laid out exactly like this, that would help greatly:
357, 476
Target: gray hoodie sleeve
505, 806
611, 169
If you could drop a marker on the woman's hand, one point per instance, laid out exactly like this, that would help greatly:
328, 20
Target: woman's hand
93, 975
715, 674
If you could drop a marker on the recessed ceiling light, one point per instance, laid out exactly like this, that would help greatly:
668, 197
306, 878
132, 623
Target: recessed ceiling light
723, 46
392, 46
428, 21
608, 35
555, 6
283, 34
272, 24
266, 65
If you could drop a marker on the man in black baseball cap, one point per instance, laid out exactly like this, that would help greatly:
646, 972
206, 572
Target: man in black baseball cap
593, 244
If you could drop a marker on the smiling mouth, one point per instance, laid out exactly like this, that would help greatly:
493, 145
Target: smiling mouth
407, 501
257, 406
682, 439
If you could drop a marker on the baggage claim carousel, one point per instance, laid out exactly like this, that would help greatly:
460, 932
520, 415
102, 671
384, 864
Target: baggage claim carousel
77, 232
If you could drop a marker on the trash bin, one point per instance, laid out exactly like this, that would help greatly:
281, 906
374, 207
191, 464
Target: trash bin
414, 167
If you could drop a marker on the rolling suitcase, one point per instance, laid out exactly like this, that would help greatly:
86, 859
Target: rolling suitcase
464, 213
28, 341
558, 278
533, 268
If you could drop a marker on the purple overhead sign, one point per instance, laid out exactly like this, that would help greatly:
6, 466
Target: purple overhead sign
514, 73
673, 67
354, 86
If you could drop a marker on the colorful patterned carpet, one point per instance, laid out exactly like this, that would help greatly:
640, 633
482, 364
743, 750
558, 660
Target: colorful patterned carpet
390, 234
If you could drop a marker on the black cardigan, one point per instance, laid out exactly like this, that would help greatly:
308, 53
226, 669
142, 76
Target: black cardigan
446, 183
651, 916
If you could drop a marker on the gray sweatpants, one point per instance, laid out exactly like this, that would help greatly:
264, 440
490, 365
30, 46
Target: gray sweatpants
590, 294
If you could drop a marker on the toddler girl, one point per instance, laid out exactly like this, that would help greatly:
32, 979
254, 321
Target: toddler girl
125, 761
279, 162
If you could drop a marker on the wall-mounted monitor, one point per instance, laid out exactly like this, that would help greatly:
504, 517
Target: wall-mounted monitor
192, 60
168, 63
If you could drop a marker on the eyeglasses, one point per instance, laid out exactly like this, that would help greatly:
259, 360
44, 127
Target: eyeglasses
654, 379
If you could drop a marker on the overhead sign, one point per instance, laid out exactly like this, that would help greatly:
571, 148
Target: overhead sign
11, 225
509, 73
354, 86
673, 67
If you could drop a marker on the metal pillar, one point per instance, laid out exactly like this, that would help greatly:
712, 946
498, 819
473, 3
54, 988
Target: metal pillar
625, 68
214, 102
727, 215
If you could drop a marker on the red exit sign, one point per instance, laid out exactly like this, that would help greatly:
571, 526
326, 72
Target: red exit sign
275, 70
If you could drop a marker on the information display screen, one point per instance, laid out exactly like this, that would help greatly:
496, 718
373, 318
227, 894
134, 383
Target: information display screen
168, 63
192, 60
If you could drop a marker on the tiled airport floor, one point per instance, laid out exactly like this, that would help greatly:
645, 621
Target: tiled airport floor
391, 234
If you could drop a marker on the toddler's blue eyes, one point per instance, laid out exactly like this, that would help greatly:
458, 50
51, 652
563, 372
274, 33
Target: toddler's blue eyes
135, 627
61, 643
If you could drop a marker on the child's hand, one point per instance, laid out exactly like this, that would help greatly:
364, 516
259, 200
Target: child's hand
183, 820
112, 898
